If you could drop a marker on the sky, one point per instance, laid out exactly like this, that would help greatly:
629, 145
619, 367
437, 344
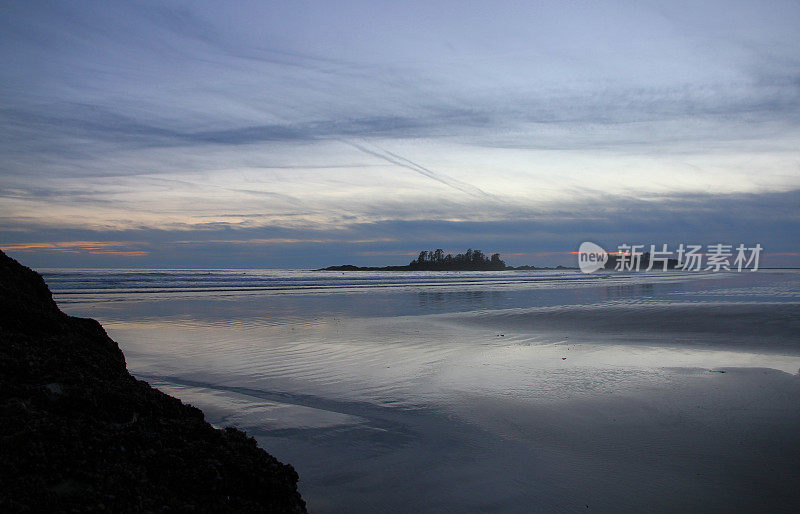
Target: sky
305, 134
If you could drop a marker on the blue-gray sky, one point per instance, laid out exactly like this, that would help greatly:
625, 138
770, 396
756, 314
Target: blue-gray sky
274, 134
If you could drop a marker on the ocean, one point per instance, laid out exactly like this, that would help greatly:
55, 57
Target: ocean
512, 391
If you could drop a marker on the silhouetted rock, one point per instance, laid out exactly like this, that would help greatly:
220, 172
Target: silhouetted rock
79, 433
436, 260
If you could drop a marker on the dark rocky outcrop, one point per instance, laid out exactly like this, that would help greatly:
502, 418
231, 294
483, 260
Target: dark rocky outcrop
79, 433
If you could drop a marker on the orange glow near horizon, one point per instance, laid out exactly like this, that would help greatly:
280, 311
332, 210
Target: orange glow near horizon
98, 247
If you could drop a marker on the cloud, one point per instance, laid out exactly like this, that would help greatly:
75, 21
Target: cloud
543, 236
395, 125
101, 248
399, 160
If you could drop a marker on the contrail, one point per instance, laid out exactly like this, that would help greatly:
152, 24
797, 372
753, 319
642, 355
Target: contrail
438, 177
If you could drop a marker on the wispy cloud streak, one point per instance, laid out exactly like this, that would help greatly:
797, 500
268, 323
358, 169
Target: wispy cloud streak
398, 160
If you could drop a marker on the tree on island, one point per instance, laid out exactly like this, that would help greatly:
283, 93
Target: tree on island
436, 260
473, 260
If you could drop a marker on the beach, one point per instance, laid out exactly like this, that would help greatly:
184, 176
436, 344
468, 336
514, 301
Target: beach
429, 256
492, 391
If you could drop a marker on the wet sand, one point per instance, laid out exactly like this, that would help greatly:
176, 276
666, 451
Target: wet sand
640, 396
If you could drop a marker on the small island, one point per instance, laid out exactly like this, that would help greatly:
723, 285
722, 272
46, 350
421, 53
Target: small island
437, 260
